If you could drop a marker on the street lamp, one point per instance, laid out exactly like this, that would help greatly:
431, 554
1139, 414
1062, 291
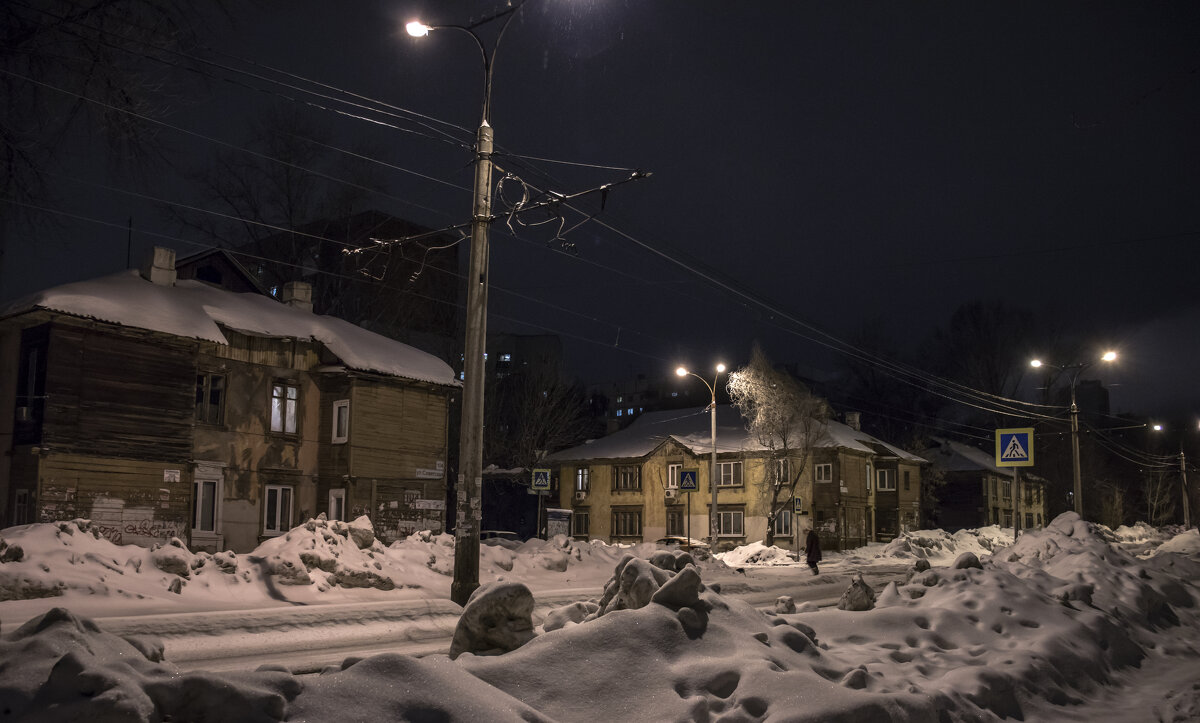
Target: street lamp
1075, 369
470, 442
712, 473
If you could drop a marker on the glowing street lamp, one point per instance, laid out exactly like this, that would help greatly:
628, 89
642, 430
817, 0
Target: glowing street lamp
1075, 369
712, 473
1187, 513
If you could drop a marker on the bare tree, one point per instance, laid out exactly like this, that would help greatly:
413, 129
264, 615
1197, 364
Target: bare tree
785, 417
1160, 497
531, 414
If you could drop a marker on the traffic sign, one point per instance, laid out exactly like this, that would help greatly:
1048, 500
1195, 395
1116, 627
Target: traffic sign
689, 480
1014, 447
541, 479
798, 505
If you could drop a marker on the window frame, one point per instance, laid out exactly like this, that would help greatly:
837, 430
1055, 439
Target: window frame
783, 469
885, 480
674, 469
284, 402
338, 493
906, 481
583, 482
198, 514
581, 524
344, 437
282, 491
731, 466
621, 475
679, 528
827, 469
737, 514
622, 514
204, 392
784, 515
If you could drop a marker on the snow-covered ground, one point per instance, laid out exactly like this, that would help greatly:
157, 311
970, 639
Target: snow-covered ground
1074, 622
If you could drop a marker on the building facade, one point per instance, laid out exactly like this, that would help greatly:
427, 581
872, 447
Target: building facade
975, 492
160, 408
628, 486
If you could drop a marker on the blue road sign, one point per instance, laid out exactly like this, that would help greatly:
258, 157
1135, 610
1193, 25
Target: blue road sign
1014, 447
689, 480
541, 479
797, 505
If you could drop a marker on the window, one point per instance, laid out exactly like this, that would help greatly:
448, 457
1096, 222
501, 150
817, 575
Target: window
673, 479
868, 477
22, 509
204, 505
337, 505
1006, 491
823, 472
886, 479
906, 480
781, 471
628, 478
341, 421
675, 523
1028, 520
729, 523
210, 398
284, 396
580, 524
627, 523
277, 509
581, 479
619, 411
783, 523
729, 474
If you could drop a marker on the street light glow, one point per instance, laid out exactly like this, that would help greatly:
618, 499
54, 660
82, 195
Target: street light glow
681, 371
417, 29
1035, 363
1109, 356
720, 368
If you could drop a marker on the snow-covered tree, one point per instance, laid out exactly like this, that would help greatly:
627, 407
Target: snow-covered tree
787, 419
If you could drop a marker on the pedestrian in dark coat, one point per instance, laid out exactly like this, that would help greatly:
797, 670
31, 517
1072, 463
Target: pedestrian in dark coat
812, 551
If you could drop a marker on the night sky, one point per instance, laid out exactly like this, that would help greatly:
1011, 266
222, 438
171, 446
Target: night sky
846, 163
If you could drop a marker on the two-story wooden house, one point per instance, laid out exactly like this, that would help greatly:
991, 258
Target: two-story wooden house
976, 492
159, 407
625, 487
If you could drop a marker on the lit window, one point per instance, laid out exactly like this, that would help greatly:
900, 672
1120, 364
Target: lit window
506, 357
673, 476
284, 399
582, 483
619, 412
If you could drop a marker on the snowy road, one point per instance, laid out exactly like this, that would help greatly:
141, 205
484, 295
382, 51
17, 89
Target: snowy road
310, 638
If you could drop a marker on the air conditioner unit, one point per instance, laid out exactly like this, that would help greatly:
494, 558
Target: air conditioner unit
24, 414
672, 494
580, 496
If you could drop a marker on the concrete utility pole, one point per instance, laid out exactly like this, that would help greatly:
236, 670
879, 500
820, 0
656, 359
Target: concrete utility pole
468, 503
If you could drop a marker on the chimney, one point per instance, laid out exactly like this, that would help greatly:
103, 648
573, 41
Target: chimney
298, 295
159, 266
854, 421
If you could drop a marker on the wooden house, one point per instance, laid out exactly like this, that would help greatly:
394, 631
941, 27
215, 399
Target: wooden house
976, 492
161, 408
625, 487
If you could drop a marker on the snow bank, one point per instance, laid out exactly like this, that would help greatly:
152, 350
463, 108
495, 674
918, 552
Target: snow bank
1026, 633
941, 547
756, 553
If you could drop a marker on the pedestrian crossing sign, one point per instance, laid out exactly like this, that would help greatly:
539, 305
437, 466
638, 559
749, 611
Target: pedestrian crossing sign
688, 480
541, 479
1014, 447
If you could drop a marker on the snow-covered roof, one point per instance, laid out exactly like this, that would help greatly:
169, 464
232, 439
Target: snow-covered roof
950, 456
691, 428
197, 310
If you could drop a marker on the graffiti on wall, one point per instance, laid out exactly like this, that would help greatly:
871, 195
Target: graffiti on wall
136, 525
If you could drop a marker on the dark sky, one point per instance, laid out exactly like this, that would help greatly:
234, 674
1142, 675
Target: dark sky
852, 162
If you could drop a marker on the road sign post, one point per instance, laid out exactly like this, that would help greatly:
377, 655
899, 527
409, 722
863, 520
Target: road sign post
689, 481
1014, 448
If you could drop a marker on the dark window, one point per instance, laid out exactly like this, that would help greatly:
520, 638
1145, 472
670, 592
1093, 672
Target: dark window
277, 509
675, 522
579, 524
627, 523
210, 398
905, 480
628, 478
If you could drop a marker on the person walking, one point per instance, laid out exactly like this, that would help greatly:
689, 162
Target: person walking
812, 550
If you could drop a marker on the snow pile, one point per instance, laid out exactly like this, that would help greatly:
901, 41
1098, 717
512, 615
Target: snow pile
1138, 532
756, 553
1185, 543
1025, 634
941, 547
